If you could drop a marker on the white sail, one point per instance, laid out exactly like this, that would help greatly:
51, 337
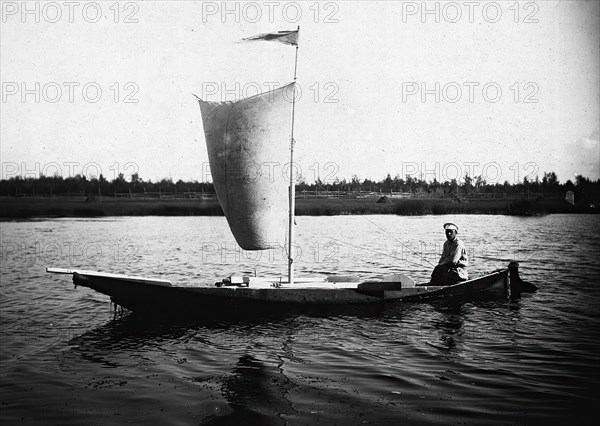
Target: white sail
248, 145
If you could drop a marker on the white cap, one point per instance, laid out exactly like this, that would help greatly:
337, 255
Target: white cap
450, 225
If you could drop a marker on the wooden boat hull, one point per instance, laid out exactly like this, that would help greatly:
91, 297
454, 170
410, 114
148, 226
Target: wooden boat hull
159, 296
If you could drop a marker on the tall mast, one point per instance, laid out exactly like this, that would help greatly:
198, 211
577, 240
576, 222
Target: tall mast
292, 190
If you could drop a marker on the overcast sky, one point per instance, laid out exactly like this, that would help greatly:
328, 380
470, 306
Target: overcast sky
503, 89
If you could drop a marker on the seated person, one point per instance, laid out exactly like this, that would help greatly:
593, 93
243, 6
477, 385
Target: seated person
452, 267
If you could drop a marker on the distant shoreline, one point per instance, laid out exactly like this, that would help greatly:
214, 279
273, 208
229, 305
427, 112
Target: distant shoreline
30, 208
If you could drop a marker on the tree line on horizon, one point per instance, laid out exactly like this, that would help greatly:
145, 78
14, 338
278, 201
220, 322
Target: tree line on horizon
78, 184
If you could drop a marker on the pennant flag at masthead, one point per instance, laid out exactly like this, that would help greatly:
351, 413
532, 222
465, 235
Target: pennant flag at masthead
285, 37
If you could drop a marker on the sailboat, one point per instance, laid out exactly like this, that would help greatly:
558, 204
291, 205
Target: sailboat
241, 137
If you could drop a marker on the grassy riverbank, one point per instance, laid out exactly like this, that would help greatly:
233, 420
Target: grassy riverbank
25, 208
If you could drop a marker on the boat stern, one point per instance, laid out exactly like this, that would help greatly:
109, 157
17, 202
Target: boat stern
516, 284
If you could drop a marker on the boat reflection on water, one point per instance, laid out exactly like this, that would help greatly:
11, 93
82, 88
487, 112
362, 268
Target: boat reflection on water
256, 394
269, 371
449, 325
253, 392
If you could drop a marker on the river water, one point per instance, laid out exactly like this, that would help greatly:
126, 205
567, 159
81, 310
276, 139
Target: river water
66, 359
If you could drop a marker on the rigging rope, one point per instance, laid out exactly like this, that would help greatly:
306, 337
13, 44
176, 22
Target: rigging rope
385, 232
366, 248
